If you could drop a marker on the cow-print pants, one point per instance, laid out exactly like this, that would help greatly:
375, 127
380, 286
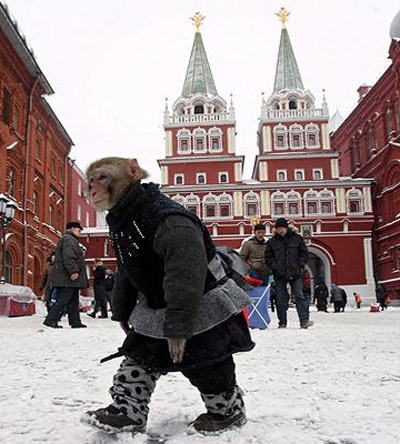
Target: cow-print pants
134, 384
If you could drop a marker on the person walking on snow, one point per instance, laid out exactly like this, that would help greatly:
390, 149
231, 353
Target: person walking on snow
99, 287
336, 298
321, 294
286, 254
357, 299
67, 277
253, 253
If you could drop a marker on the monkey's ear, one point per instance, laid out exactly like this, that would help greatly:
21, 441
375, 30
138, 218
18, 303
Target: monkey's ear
138, 173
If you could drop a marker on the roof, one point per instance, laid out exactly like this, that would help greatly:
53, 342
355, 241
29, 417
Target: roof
287, 74
18, 42
56, 120
198, 78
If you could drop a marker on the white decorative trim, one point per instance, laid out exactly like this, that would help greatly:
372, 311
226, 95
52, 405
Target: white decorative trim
303, 176
199, 175
176, 176
220, 174
278, 172
318, 170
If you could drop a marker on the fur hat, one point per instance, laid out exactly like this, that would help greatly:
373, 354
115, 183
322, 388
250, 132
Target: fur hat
281, 222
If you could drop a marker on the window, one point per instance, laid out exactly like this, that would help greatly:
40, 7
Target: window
354, 201
296, 136
60, 174
210, 206
215, 139
53, 166
16, 117
79, 213
251, 204
88, 219
327, 200
37, 149
199, 109
51, 215
178, 199
179, 179
280, 137
225, 205
6, 106
355, 155
11, 182
199, 141
223, 178
326, 207
292, 104
389, 122
192, 203
278, 203
299, 174
8, 268
201, 178
311, 202
312, 207
317, 174
183, 136
281, 175
294, 203
35, 202
312, 135
59, 222
192, 209
79, 188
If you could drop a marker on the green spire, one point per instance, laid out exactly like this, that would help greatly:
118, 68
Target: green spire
287, 74
198, 78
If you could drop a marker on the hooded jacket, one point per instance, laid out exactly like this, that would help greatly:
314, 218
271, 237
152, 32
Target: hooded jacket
286, 255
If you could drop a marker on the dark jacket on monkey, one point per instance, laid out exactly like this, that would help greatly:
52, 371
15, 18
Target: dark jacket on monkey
171, 283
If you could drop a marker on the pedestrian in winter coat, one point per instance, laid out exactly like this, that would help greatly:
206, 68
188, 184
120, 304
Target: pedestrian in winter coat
99, 287
253, 253
109, 284
381, 296
45, 286
67, 277
174, 300
321, 294
286, 254
336, 298
344, 303
357, 299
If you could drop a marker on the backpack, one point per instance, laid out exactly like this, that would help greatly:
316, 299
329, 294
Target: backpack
234, 266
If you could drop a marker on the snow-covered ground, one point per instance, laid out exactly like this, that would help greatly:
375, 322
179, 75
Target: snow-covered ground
336, 383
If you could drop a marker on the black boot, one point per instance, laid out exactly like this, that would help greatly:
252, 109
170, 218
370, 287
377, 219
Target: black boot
208, 423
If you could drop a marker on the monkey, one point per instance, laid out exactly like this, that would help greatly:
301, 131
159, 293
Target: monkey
109, 178
173, 299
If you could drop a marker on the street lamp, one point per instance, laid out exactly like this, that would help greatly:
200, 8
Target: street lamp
7, 213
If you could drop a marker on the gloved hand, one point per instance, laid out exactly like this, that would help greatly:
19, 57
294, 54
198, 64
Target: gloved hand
176, 349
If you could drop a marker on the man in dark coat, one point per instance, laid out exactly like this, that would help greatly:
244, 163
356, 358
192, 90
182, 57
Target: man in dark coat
286, 254
99, 287
67, 276
337, 298
180, 310
321, 295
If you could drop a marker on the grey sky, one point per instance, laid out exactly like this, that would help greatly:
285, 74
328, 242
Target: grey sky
112, 63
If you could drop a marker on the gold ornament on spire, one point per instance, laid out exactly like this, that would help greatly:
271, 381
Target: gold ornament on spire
197, 20
255, 220
283, 15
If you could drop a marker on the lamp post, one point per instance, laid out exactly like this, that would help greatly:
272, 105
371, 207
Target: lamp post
7, 213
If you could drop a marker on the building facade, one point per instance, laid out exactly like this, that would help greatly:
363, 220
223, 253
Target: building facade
368, 144
295, 174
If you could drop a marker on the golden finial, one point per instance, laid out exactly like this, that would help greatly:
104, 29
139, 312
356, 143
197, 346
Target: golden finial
283, 15
255, 220
197, 20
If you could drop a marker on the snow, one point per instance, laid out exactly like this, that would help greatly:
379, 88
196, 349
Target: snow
335, 383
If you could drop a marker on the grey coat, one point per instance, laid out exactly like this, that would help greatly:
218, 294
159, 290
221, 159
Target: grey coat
69, 259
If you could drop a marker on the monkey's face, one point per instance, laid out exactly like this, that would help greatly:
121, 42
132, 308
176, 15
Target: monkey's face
100, 189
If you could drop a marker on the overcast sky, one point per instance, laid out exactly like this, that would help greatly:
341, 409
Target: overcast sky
112, 63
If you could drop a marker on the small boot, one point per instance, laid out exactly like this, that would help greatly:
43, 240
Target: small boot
306, 323
112, 420
212, 423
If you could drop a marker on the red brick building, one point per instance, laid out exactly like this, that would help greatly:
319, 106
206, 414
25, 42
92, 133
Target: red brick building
35, 171
368, 143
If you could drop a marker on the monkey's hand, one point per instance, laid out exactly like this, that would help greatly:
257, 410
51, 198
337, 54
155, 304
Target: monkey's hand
176, 349
74, 276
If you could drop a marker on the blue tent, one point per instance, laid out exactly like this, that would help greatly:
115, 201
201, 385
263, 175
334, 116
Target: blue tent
258, 310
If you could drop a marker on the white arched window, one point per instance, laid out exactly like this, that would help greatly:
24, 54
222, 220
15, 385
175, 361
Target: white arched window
179, 199
210, 206
296, 137
225, 204
251, 204
278, 204
327, 202
354, 200
293, 199
192, 203
183, 137
311, 203
280, 137
199, 140
312, 136
215, 140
